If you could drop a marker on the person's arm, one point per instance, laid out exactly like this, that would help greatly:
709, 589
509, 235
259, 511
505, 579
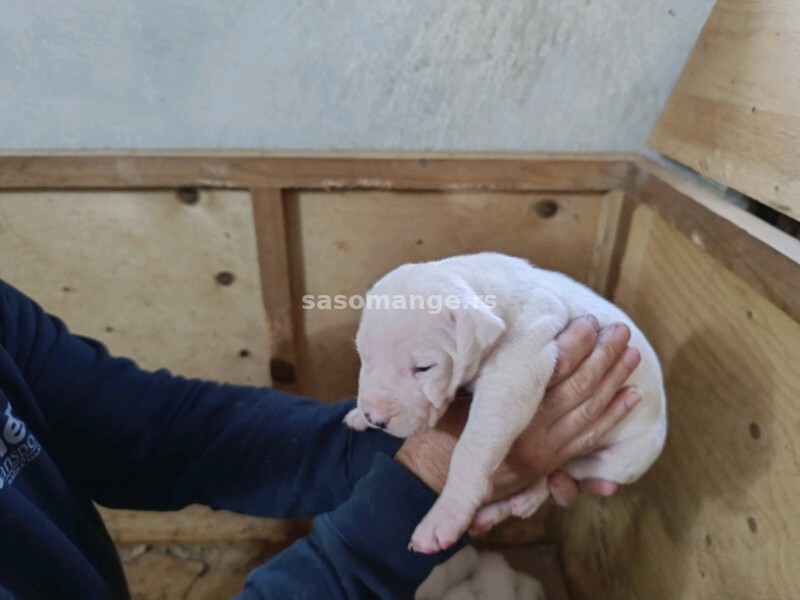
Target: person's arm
136, 439
360, 549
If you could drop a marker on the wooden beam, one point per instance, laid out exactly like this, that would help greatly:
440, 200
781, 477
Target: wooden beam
599, 172
606, 246
273, 261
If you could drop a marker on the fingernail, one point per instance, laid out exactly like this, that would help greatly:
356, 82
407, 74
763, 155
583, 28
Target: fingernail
630, 357
592, 322
620, 331
633, 397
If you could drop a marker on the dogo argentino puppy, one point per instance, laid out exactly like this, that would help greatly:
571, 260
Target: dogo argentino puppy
495, 335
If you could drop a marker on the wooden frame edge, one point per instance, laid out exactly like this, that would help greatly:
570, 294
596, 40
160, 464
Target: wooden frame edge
534, 172
762, 255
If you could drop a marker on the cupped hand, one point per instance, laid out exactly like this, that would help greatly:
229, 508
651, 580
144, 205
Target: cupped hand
582, 404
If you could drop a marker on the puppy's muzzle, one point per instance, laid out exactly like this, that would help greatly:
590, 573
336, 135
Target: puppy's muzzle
376, 422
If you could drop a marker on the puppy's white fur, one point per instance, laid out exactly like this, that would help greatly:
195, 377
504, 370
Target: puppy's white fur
505, 354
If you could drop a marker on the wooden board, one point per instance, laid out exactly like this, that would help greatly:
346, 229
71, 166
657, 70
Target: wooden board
717, 516
608, 242
273, 260
265, 170
764, 257
141, 272
346, 241
733, 115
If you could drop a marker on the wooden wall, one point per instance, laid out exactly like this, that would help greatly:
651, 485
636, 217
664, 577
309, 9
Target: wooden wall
346, 241
168, 283
717, 291
717, 515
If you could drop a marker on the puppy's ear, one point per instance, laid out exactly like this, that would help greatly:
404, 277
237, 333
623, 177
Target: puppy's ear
477, 328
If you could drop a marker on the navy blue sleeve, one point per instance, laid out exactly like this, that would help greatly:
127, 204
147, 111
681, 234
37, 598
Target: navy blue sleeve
359, 550
137, 439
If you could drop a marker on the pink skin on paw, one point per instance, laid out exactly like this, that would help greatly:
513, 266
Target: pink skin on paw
440, 529
489, 516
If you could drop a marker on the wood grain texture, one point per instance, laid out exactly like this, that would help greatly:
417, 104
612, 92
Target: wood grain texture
716, 516
607, 242
759, 253
348, 240
581, 172
733, 115
139, 271
273, 260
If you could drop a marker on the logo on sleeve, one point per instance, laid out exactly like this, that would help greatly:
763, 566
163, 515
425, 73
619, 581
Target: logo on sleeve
18, 447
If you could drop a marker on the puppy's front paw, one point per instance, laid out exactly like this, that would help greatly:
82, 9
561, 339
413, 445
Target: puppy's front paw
355, 420
441, 528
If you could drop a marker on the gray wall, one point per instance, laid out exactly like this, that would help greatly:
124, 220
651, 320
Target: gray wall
467, 75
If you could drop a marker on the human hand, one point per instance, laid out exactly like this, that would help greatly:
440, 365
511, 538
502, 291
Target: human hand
582, 404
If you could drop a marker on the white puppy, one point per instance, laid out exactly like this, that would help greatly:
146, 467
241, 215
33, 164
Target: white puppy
495, 334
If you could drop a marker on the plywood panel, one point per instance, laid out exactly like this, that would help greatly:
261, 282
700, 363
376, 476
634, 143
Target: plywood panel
348, 240
764, 257
145, 273
733, 114
717, 515
169, 280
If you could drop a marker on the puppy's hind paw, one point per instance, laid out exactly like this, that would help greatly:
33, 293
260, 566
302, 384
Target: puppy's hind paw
527, 502
355, 420
489, 516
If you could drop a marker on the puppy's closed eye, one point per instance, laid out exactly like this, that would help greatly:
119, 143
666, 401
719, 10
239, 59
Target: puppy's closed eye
423, 369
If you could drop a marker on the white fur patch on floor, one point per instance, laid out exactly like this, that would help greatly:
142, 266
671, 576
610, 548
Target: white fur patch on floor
473, 575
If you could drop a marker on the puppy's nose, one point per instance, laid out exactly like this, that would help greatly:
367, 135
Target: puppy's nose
376, 422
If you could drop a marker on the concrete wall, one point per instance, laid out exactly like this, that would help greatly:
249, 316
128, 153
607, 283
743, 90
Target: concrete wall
467, 75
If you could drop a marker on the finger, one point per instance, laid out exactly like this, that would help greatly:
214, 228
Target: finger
575, 343
562, 487
624, 401
583, 415
579, 386
599, 487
